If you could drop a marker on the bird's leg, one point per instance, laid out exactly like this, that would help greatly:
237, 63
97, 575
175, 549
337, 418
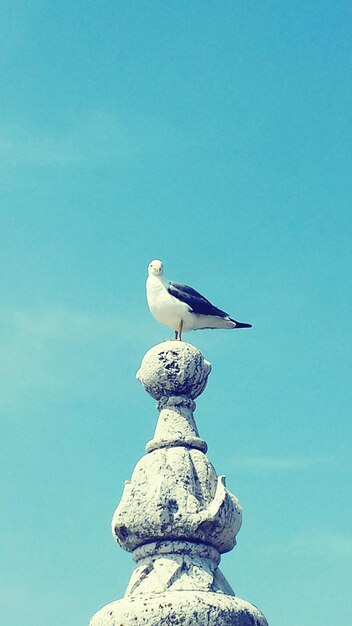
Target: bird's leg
180, 331
176, 334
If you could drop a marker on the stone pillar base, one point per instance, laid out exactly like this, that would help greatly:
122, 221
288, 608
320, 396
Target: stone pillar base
179, 608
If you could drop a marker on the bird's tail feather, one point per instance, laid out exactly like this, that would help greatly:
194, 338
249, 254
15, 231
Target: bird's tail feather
240, 324
215, 321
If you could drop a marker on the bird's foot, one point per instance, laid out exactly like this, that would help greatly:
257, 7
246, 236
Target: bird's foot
179, 332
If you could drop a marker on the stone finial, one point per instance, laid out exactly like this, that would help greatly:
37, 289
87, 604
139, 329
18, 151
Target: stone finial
175, 373
174, 493
176, 515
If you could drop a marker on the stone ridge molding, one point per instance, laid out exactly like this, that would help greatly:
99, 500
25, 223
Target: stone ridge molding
176, 516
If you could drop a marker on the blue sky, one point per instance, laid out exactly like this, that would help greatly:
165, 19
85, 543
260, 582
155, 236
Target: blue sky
217, 137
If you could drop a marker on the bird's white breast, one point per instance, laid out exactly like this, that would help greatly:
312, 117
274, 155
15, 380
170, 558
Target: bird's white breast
164, 307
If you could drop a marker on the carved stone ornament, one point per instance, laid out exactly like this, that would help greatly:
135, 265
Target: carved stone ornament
176, 516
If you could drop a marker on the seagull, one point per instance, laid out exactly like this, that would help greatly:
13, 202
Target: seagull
181, 307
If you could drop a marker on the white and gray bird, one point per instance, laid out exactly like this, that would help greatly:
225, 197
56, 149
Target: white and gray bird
182, 308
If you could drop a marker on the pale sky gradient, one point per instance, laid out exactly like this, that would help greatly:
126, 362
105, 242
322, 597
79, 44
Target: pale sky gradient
216, 137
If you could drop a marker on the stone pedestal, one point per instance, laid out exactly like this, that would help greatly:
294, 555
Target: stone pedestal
176, 516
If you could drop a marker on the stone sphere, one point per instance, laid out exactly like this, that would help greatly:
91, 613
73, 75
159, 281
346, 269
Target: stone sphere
174, 368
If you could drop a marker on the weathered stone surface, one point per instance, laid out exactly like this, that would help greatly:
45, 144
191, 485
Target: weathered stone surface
177, 566
175, 608
174, 368
176, 515
176, 425
175, 493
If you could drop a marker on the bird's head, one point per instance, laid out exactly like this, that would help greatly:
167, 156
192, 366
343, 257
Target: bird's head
155, 268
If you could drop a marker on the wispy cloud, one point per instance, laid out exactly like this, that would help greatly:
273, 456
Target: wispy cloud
330, 544
278, 463
97, 138
59, 323
52, 350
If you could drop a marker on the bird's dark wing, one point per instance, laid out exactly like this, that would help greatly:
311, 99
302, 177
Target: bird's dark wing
196, 302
